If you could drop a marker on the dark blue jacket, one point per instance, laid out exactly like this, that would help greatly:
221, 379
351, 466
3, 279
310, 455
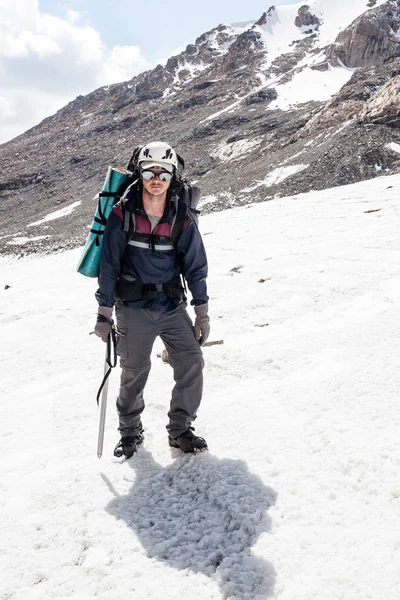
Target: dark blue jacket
150, 257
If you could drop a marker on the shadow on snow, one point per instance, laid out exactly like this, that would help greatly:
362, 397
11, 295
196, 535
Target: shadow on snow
202, 513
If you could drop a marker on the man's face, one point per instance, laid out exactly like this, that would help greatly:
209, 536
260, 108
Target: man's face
154, 184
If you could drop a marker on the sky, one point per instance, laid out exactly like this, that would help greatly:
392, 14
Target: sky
299, 496
52, 51
158, 28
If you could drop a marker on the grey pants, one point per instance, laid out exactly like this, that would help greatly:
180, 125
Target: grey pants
137, 328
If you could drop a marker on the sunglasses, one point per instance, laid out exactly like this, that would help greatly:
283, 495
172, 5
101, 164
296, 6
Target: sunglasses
149, 175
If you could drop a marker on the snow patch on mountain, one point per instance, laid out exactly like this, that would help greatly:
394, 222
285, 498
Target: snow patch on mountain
340, 129
232, 30
58, 214
209, 199
308, 85
242, 25
226, 197
184, 73
277, 176
20, 241
393, 146
235, 150
279, 33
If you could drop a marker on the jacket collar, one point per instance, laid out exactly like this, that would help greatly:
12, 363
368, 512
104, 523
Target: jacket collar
134, 203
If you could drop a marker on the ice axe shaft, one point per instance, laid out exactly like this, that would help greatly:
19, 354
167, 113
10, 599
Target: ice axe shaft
103, 409
102, 394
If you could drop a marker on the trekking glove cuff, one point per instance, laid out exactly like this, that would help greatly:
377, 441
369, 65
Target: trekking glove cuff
105, 311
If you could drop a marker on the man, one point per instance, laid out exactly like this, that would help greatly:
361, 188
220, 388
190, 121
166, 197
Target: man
141, 275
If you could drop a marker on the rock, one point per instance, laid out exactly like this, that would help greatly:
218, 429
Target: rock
305, 18
247, 44
266, 16
193, 101
321, 66
263, 19
22, 181
262, 96
191, 49
203, 85
352, 98
384, 106
370, 39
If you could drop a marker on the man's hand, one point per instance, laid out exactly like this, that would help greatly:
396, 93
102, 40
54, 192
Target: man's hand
104, 322
202, 323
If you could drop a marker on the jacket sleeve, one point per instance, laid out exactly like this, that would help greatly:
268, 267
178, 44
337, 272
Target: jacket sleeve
114, 244
193, 259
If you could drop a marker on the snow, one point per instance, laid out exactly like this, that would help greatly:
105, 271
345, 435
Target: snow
341, 128
280, 31
280, 35
191, 71
299, 497
229, 108
211, 198
393, 146
335, 18
226, 152
242, 25
58, 214
277, 176
20, 241
308, 85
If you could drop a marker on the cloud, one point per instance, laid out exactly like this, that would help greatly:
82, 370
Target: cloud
46, 61
74, 16
122, 60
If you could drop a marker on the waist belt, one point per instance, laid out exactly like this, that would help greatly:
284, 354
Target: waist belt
129, 289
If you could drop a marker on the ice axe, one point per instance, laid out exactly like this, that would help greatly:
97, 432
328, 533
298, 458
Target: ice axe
109, 363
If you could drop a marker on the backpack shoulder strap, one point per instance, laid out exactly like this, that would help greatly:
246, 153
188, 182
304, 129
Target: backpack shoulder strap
129, 222
129, 217
177, 227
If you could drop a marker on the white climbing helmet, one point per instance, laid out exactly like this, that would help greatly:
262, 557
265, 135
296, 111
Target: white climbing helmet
158, 154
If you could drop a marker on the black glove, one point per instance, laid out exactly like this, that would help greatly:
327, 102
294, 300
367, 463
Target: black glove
104, 322
202, 323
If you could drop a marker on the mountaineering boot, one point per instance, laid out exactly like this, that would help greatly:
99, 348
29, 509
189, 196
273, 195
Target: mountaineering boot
127, 445
188, 442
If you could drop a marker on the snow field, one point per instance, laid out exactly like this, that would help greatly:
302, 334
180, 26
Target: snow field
299, 496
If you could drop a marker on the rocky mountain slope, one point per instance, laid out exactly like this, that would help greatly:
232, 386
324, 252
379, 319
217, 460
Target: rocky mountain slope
307, 97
